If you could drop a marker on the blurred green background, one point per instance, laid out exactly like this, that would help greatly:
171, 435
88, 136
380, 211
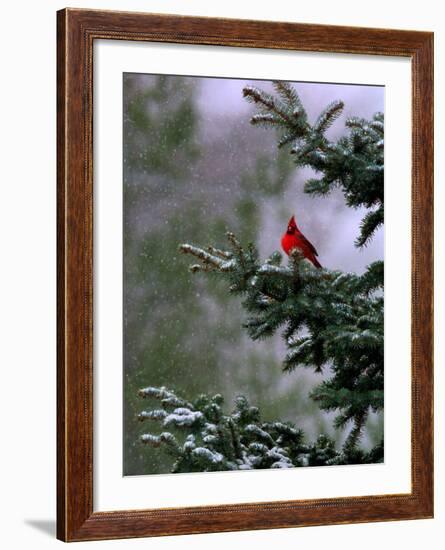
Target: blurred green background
195, 168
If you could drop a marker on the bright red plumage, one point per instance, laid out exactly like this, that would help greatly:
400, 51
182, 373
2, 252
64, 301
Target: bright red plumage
294, 238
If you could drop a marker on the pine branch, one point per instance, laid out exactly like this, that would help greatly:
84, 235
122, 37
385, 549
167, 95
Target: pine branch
369, 225
209, 261
285, 113
340, 313
328, 116
356, 432
240, 440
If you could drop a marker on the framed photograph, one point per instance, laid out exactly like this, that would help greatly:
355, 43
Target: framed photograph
245, 260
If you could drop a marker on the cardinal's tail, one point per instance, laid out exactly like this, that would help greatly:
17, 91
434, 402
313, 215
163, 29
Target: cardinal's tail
316, 262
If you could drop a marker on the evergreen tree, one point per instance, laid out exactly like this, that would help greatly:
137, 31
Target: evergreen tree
330, 319
214, 441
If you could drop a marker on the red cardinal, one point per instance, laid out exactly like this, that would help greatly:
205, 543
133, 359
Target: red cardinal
294, 238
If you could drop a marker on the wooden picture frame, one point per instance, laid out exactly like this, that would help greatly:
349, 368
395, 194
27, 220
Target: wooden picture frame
77, 31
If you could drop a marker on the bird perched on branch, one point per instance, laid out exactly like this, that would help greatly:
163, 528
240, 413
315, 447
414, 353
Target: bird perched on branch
294, 238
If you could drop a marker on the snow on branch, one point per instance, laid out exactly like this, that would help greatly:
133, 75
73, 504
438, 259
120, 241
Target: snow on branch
340, 313
239, 440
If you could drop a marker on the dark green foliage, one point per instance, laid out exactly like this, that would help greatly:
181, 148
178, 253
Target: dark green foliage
330, 319
209, 440
153, 131
355, 163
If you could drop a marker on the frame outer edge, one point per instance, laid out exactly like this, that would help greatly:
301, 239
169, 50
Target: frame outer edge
61, 304
74, 253
75, 517
423, 266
